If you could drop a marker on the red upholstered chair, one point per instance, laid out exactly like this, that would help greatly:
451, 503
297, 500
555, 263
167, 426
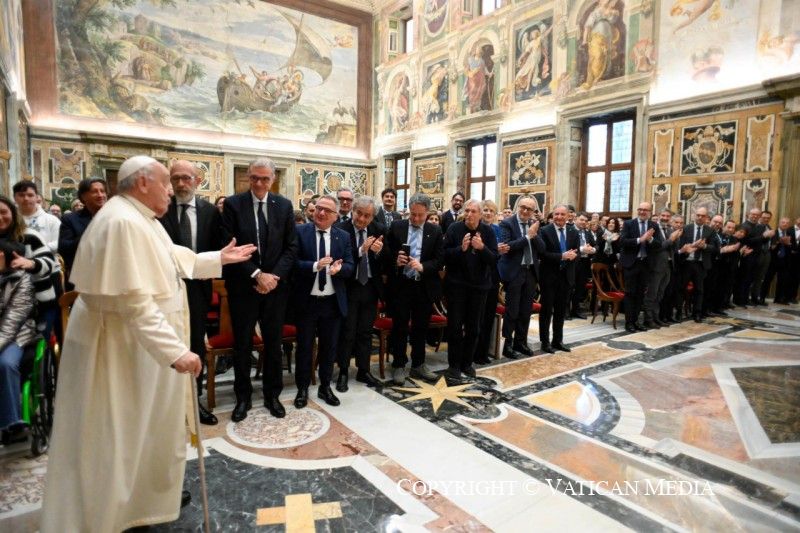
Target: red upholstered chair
688, 299
222, 342
607, 291
288, 335
383, 327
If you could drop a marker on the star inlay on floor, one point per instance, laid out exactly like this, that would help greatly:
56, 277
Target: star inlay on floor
439, 393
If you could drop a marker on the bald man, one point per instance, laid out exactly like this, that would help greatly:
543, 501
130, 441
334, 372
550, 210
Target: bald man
194, 223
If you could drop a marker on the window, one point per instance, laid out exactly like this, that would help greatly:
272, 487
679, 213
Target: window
482, 167
402, 179
608, 165
487, 6
408, 35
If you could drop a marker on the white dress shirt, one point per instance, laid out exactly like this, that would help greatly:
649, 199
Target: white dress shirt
329, 290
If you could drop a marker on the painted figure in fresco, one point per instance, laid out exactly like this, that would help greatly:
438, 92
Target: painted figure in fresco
434, 99
398, 104
693, 9
478, 85
263, 79
601, 38
533, 63
779, 48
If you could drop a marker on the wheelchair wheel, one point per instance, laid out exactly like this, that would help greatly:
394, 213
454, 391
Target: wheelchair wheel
42, 419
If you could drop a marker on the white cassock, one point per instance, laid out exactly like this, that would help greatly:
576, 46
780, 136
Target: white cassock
119, 438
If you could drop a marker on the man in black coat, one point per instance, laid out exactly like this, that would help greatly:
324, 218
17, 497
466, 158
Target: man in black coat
414, 258
696, 247
386, 213
259, 288
781, 262
92, 194
470, 254
519, 272
639, 239
364, 289
757, 238
559, 250
583, 264
450, 216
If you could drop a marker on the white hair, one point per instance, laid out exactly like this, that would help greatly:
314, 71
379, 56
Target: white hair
132, 168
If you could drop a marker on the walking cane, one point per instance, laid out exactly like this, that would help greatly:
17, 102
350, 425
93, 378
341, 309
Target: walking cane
200, 459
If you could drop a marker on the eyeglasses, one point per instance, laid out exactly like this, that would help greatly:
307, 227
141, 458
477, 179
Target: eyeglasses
341, 199
262, 179
324, 210
181, 177
526, 208
644, 209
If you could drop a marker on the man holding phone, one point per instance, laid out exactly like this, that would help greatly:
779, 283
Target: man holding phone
415, 257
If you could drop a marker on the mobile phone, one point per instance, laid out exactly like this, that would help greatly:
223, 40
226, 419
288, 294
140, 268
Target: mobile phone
406, 249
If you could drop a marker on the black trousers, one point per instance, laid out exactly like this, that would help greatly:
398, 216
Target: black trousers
320, 319
693, 271
710, 288
356, 335
635, 283
583, 274
464, 315
554, 300
487, 323
411, 303
520, 293
268, 310
670, 299
198, 309
747, 267
783, 286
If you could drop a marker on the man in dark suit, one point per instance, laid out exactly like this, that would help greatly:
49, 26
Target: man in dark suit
450, 216
695, 249
519, 272
414, 284
363, 291
757, 237
92, 194
194, 223
259, 287
659, 275
639, 240
387, 214
794, 262
583, 264
324, 262
781, 262
470, 253
559, 250
345, 197
669, 300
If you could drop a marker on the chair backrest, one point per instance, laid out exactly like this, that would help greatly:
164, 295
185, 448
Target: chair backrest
225, 326
620, 277
65, 302
603, 280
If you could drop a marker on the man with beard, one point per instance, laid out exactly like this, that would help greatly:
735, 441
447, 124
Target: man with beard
450, 216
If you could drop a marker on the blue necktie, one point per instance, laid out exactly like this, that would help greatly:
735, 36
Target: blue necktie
321, 275
413, 239
562, 240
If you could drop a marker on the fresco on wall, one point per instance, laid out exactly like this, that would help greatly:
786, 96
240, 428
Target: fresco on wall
243, 67
539, 198
398, 104
430, 178
534, 59
435, 92
708, 149
11, 45
434, 17
661, 197
755, 195
527, 167
602, 36
478, 91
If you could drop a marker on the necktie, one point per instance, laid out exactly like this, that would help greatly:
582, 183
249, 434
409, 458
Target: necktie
781, 247
363, 265
562, 240
413, 241
642, 244
321, 275
184, 227
262, 232
527, 258
388, 216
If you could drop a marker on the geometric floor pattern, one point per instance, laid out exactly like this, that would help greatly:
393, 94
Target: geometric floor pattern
692, 427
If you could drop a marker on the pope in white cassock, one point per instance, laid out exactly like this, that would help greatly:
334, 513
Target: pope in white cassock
119, 438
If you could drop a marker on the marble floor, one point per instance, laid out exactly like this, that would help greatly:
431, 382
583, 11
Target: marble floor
693, 427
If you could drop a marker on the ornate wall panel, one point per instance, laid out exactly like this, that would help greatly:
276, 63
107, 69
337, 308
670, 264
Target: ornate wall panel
662, 152
759, 143
527, 167
429, 176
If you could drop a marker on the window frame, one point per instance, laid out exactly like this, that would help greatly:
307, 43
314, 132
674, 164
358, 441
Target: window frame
608, 167
485, 178
404, 27
406, 156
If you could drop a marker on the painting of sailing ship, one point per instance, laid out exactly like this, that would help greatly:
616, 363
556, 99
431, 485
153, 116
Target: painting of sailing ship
242, 66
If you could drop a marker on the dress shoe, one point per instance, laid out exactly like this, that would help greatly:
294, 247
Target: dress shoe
524, 349
698, 318
341, 383
275, 407
639, 327
240, 411
423, 372
469, 371
558, 346
547, 348
325, 393
206, 416
453, 373
721, 312
649, 324
301, 400
579, 315
186, 498
630, 328
509, 352
660, 323
482, 361
368, 379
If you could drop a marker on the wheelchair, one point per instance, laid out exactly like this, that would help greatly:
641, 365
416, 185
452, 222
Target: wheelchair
39, 372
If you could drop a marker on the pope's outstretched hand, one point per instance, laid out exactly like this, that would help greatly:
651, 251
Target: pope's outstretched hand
236, 254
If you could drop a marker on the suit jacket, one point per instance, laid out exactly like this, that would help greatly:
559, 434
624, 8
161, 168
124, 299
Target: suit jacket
304, 275
380, 216
239, 220
510, 263
629, 247
708, 235
431, 256
787, 248
661, 260
374, 229
447, 219
552, 267
69, 234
